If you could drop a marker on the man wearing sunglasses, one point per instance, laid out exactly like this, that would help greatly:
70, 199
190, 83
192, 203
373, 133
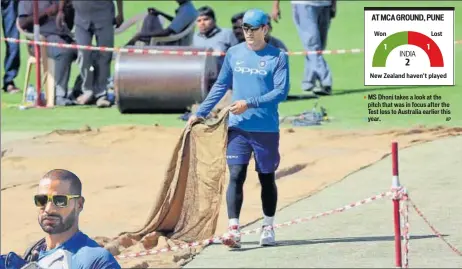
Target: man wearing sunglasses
59, 201
259, 74
236, 21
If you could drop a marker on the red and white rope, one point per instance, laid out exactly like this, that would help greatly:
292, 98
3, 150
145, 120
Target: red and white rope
155, 51
406, 226
170, 52
398, 193
218, 239
453, 248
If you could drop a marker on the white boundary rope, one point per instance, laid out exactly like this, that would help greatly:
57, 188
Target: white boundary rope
218, 239
438, 234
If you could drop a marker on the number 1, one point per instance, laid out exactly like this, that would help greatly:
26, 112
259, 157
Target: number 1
428, 46
385, 46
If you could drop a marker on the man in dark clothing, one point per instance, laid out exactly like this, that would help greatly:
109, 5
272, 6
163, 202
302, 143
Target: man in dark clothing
94, 18
185, 14
270, 39
63, 57
236, 21
12, 59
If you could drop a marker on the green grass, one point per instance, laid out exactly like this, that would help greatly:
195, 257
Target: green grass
347, 105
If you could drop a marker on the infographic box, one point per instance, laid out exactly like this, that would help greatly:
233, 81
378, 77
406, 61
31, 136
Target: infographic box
408, 46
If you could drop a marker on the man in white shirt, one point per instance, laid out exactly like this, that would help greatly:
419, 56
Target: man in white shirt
312, 19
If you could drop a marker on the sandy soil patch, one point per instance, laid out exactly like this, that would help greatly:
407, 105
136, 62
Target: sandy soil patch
121, 168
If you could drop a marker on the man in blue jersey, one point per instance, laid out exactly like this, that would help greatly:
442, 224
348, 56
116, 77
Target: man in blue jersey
259, 75
60, 202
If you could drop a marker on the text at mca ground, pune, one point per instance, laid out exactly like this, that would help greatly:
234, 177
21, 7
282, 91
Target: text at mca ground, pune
382, 106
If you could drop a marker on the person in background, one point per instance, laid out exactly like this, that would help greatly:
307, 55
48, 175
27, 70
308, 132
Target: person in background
236, 21
59, 202
312, 19
270, 39
211, 36
185, 14
63, 57
12, 59
94, 18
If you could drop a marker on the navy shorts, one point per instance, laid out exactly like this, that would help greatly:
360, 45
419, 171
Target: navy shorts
265, 148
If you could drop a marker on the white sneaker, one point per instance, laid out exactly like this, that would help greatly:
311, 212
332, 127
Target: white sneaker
232, 238
267, 236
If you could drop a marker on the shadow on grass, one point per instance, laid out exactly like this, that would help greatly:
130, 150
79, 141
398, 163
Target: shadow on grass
285, 243
298, 97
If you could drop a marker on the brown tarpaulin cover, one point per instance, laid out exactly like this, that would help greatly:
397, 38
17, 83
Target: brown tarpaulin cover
188, 202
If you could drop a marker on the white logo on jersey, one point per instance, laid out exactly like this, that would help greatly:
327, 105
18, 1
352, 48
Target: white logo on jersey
239, 62
250, 71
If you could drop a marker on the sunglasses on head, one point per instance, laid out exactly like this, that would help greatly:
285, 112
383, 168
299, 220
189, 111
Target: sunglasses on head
248, 28
58, 200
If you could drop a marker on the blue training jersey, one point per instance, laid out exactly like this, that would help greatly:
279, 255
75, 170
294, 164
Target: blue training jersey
259, 77
86, 253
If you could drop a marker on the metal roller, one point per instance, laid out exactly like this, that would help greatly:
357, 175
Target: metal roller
147, 83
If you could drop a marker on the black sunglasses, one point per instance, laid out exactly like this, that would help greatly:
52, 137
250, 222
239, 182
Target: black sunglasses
252, 29
59, 200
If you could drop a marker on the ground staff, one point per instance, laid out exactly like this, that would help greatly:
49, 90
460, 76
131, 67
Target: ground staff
312, 19
94, 18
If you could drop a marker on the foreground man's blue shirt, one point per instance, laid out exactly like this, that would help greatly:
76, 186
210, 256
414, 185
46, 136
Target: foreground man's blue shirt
259, 77
86, 253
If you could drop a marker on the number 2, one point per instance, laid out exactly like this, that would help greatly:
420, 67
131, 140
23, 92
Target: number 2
407, 61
